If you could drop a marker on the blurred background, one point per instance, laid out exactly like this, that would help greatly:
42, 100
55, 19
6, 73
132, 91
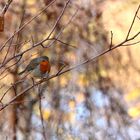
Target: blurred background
99, 100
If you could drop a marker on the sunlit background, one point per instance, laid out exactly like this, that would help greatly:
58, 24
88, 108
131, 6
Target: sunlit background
99, 100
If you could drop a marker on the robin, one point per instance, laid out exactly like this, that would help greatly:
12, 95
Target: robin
40, 67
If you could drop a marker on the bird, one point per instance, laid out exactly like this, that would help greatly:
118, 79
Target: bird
39, 67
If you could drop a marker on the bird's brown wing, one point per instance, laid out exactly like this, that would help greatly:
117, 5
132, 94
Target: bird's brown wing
33, 64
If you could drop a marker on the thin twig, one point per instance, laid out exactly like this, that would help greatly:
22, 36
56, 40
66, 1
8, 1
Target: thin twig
32, 39
132, 23
21, 43
130, 44
58, 40
10, 89
40, 110
16, 49
7, 52
58, 35
20, 56
5, 93
58, 19
28, 22
61, 69
4, 10
138, 17
111, 40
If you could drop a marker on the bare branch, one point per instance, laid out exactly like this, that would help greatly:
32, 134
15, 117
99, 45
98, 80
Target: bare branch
138, 17
20, 56
28, 22
4, 10
7, 52
64, 65
111, 40
41, 114
59, 18
58, 40
58, 35
132, 23
130, 44
18, 82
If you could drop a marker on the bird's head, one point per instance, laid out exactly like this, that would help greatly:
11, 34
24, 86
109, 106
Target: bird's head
43, 58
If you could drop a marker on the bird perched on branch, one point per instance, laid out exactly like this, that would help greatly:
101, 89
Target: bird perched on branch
39, 67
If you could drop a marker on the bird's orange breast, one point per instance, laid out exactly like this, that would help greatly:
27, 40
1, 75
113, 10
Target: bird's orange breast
45, 67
